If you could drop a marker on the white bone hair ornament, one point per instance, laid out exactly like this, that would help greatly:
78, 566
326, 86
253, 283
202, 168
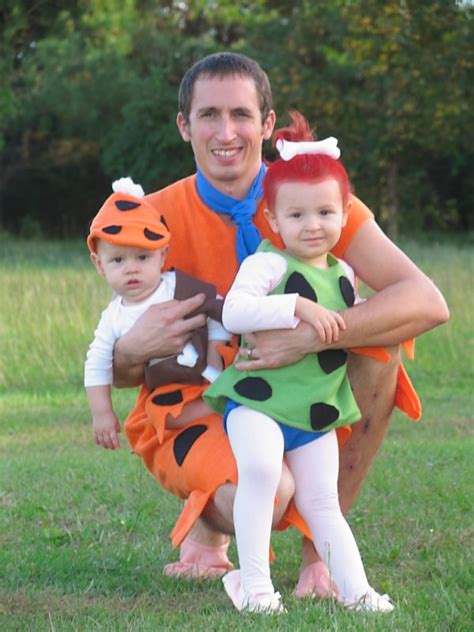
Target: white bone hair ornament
289, 149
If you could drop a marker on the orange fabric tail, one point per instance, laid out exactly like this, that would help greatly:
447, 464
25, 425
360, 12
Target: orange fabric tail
376, 353
409, 348
192, 509
406, 398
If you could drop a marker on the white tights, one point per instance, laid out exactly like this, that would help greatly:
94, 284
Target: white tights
257, 443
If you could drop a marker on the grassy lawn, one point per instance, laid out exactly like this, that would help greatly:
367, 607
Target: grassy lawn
84, 532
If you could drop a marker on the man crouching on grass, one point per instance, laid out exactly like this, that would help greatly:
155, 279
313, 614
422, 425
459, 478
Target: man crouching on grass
217, 218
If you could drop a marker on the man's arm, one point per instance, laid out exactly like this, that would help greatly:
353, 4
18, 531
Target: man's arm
406, 304
161, 331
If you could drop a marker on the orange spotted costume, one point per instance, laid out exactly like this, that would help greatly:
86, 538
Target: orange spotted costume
127, 219
192, 463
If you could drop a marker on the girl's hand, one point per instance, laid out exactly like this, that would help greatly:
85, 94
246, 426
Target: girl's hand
326, 322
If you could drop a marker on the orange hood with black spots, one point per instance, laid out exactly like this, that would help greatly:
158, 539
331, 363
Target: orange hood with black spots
127, 219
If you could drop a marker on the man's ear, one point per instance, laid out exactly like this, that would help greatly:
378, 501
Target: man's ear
183, 127
97, 264
346, 211
271, 219
268, 125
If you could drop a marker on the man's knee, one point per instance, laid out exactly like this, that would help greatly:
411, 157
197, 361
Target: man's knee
374, 384
218, 513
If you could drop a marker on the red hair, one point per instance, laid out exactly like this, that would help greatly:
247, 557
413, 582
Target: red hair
309, 168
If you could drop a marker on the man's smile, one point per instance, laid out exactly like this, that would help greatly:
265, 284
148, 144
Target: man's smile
226, 153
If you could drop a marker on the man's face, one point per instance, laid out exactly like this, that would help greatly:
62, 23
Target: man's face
226, 132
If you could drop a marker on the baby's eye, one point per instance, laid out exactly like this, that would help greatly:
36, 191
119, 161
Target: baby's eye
142, 257
296, 215
118, 259
325, 211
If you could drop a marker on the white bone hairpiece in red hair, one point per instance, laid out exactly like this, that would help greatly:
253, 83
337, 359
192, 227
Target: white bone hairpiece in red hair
289, 149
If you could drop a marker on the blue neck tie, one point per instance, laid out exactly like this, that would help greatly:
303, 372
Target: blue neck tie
241, 212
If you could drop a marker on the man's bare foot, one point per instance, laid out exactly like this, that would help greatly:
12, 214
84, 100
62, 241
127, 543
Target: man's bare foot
200, 561
314, 579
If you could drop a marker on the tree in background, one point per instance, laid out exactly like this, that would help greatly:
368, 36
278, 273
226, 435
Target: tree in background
393, 81
90, 94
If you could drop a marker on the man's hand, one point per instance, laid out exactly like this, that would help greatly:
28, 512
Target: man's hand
280, 347
326, 322
106, 428
161, 331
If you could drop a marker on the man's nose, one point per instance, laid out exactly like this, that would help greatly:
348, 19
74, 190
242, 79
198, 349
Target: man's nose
226, 130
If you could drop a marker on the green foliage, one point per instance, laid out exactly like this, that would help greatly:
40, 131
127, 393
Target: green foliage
392, 81
89, 93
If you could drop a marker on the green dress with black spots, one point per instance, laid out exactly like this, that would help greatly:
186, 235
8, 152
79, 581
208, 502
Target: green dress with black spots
314, 393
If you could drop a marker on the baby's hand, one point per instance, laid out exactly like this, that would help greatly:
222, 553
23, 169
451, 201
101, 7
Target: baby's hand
326, 322
106, 428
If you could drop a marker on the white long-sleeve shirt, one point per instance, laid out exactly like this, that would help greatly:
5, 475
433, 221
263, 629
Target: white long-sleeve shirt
248, 306
117, 319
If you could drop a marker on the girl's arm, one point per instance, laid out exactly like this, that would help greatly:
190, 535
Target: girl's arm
248, 306
326, 322
406, 304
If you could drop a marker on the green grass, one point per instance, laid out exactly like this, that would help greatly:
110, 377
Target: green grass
84, 532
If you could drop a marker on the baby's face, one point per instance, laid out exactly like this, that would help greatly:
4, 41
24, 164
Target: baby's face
309, 217
133, 273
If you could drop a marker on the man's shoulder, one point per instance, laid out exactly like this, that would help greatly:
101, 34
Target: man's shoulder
179, 190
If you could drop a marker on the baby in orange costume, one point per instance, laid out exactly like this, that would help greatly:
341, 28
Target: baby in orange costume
128, 243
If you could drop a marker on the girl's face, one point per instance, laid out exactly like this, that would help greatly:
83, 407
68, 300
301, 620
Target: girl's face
309, 218
133, 273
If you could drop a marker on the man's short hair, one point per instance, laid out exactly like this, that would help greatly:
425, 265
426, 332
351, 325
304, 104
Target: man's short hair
225, 65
